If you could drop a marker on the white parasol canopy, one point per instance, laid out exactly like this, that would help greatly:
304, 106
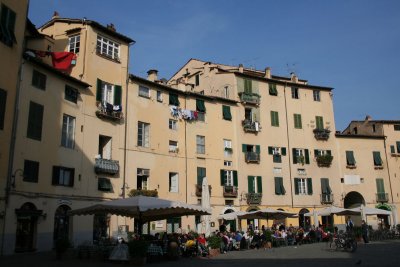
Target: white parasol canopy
332, 210
371, 211
205, 204
268, 214
231, 215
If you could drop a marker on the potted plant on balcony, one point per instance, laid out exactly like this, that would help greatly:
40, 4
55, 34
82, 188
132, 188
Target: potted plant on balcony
324, 160
301, 159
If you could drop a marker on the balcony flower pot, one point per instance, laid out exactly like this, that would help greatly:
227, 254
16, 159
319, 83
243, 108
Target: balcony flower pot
324, 160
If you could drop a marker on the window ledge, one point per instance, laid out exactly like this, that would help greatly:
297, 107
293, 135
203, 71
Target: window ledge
378, 167
108, 57
351, 166
395, 154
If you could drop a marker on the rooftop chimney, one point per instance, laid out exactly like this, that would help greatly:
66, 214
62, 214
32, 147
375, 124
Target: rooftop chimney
368, 118
267, 73
111, 27
294, 78
152, 75
241, 68
55, 15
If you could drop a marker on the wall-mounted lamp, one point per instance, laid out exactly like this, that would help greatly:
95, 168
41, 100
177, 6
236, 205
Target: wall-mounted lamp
21, 171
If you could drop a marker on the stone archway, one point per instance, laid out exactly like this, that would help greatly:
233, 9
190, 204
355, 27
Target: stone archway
253, 222
62, 224
353, 199
304, 221
27, 217
230, 224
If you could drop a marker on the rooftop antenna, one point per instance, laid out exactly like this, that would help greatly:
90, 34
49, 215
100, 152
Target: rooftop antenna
291, 68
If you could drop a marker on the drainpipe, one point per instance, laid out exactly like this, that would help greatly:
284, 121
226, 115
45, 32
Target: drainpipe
387, 165
289, 148
186, 159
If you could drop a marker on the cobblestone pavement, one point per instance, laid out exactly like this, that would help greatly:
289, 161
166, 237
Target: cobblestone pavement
372, 254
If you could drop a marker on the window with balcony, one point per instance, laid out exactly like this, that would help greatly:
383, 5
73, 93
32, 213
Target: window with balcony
227, 148
74, 43
251, 153
143, 137
229, 181
3, 101
63, 176
144, 91
275, 118
7, 25
201, 110
381, 195
277, 153
300, 156
377, 159
68, 132
39, 80
326, 192
35, 121
173, 146
108, 97
173, 182
103, 161
297, 121
317, 95
279, 187
200, 144
107, 48
295, 92
323, 157
31, 171
250, 122
254, 194
142, 179
303, 186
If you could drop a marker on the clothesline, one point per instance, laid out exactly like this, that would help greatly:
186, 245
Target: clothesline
60, 60
185, 114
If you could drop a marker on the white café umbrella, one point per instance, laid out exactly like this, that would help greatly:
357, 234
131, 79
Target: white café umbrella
333, 210
268, 214
230, 216
367, 211
205, 204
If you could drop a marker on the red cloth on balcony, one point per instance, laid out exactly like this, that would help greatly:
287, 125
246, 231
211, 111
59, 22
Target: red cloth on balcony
62, 60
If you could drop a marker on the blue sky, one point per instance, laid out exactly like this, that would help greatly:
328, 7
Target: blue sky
350, 45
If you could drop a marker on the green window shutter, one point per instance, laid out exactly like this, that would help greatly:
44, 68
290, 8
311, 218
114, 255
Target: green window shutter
380, 186
294, 156
259, 184
272, 89
250, 184
222, 172
350, 158
324, 185
296, 186
3, 100
283, 191
309, 186
235, 178
200, 105
248, 86
316, 152
398, 146
226, 113
306, 156
274, 118
99, 90
72, 177
258, 149
319, 122
329, 152
278, 186
244, 148
173, 99
297, 121
56, 174
270, 150
283, 151
377, 158
201, 173
392, 148
35, 121
117, 94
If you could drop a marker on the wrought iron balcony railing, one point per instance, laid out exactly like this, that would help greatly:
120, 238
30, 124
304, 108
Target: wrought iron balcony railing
382, 197
249, 126
252, 157
199, 189
250, 98
230, 191
326, 198
254, 198
321, 134
106, 166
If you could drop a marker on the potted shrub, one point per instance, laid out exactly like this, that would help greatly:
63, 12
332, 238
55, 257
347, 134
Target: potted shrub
214, 243
61, 246
138, 251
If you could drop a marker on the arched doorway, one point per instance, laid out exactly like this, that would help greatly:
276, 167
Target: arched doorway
281, 221
383, 220
252, 222
353, 200
27, 217
230, 224
304, 221
61, 223
101, 228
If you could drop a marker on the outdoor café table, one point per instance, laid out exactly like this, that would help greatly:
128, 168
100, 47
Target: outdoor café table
154, 250
278, 241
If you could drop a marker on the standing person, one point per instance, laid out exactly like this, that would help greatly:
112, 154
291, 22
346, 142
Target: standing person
349, 225
364, 230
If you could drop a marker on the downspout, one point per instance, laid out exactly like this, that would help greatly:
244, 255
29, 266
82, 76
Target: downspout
288, 143
387, 165
186, 159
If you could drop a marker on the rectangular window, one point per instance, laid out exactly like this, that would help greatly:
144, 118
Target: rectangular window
227, 148
350, 160
71, 94
3, 101
142, 179
144, 91
317, 95
143, 134
319, 120
398, 146
377, 158
108, 94
173, 182
226, 113
229, 178
226, 92
392, 149
173, 99
325, 187
31, 171
173, 146
201, 144
279, 188
201, 173
107, 48
159, 96
297, 121
172, 124
104, 185
39, 80
295, 92
300, 156
227, 163
303, 186
254, 184
380, 186
35, 120
7, 25
248, 86
63, 176
396, 127
274, 118
105, 147
197, 77
74, 43
201, 110
272, 89
68, 132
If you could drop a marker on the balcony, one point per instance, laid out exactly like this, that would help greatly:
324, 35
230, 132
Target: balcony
321, 134
230, 191
251, 126
254, 198
252, 157
326, 198
382, 197
324, 160
249, 98
143, 192
106, 166
199, 189
109, 112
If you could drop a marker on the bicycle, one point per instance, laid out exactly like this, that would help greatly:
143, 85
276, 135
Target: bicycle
345, 241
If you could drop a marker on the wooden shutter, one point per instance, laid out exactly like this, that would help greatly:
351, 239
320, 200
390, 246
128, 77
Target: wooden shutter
350, 158
3, 100
259, 184
200, 105
99, 90
319, 122
377, 158
392, 148
35, 121
306, 156
296, 186
244, 148
56, 175
72, 177
270, 150
277, 186
309, 186
283, 151
316, 152
329, 152
380, 186
324, 185
226, 113
294, 155
398, 146
258, 149
222, 177
200, 175
117, 94
250, 184
235, 178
